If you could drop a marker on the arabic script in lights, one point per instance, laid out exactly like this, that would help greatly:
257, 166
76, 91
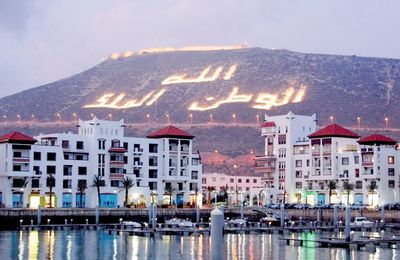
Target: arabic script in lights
205, 76
263, 100
126, 54
114, 101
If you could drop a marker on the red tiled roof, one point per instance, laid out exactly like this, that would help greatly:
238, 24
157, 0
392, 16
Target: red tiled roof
170, 131
268, 124
334, 130
16, 137
377, 139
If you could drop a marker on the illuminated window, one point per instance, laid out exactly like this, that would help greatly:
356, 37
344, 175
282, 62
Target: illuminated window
390, 159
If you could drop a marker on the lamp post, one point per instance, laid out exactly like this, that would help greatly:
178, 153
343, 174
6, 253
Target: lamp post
331, 119
386, 122
148, 118
358, 122
234, 118
211, 118
257, 119
191, 119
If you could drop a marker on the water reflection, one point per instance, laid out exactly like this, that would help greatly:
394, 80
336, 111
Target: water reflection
84, 244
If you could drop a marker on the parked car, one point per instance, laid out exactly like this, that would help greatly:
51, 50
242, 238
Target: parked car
362, 222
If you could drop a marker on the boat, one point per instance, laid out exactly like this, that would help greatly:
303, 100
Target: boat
237, 221
132, 224
179, 222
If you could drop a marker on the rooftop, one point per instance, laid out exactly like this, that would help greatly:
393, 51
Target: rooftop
17, 137
377, 139
170, 132
334, 130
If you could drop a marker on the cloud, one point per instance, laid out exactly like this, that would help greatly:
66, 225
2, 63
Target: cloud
43, 40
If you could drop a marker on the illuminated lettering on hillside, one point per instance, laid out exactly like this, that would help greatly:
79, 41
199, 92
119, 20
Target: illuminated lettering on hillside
126, 54
262, 100
204, 76
110, 100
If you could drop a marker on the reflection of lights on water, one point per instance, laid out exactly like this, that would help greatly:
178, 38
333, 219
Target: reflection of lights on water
21, 245
33, 244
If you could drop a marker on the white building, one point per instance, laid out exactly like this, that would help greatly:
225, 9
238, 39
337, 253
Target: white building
299, 163
164, 159
238, 188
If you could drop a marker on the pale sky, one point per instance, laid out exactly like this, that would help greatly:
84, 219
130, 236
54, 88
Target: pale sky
43, 40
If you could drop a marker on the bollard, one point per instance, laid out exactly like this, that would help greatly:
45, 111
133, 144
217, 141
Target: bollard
197, 215
150, 216
241, 210
154, 220
383, 215
97, 215
217, 232
39, 215
282, 215
348, 222
335, 216
65, 222
87, 221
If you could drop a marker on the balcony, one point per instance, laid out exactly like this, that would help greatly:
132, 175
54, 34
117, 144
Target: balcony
117, 175
367, 163
117, 150
117, 163
21, 159
137, 151
137, 164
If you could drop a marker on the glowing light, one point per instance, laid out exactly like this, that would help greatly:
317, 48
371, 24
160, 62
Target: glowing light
233, 97
117, 55
204, 76
109, 101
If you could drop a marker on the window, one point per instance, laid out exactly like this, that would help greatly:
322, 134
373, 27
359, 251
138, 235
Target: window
126, 146
391, 171
254, 180
247, 188
115, 143
36, 170
67, 184
79, 145
193, 186
391, 183
114, 183
356, 159
180, 186
282, 153
358, 185
298, 174
37, 156
247, 180
281, 139
298, 163
82, 182
299, 185
65, 144
239, 180
35, 183
308, 163
102, 144
357, 173
270, 140
310, 187
204, 180
51, 169
232, 180
195, 175
82, 170
67, 170
48, 182
16, 167
51, 156
152, 161
152, 173
153, 148
153, 185
390, 159
345, 161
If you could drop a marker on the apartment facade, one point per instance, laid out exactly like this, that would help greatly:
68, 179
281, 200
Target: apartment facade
160, 164
300, 162
238, 187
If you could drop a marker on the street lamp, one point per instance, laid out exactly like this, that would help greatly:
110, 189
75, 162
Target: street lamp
148, 118
234, 118
110, 116
168, 118
191, 118
358, 122
386, 122
211, 118
257, 119
331, 119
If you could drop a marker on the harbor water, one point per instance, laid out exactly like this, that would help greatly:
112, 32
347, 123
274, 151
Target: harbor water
92, 244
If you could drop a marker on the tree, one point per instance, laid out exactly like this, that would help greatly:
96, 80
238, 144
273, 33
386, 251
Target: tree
209, 190
51, 183
332, 185
127, 183
169, 191
80, 188
372, 187
348, 187
223, 194
98, 182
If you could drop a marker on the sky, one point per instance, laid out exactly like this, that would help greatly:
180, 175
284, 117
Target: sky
44, 41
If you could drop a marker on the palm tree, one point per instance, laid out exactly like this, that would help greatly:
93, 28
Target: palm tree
51, 183
127, 183
169, 191
348, 187
332, 185
80, 188
209, 190
372, 187
98, 182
